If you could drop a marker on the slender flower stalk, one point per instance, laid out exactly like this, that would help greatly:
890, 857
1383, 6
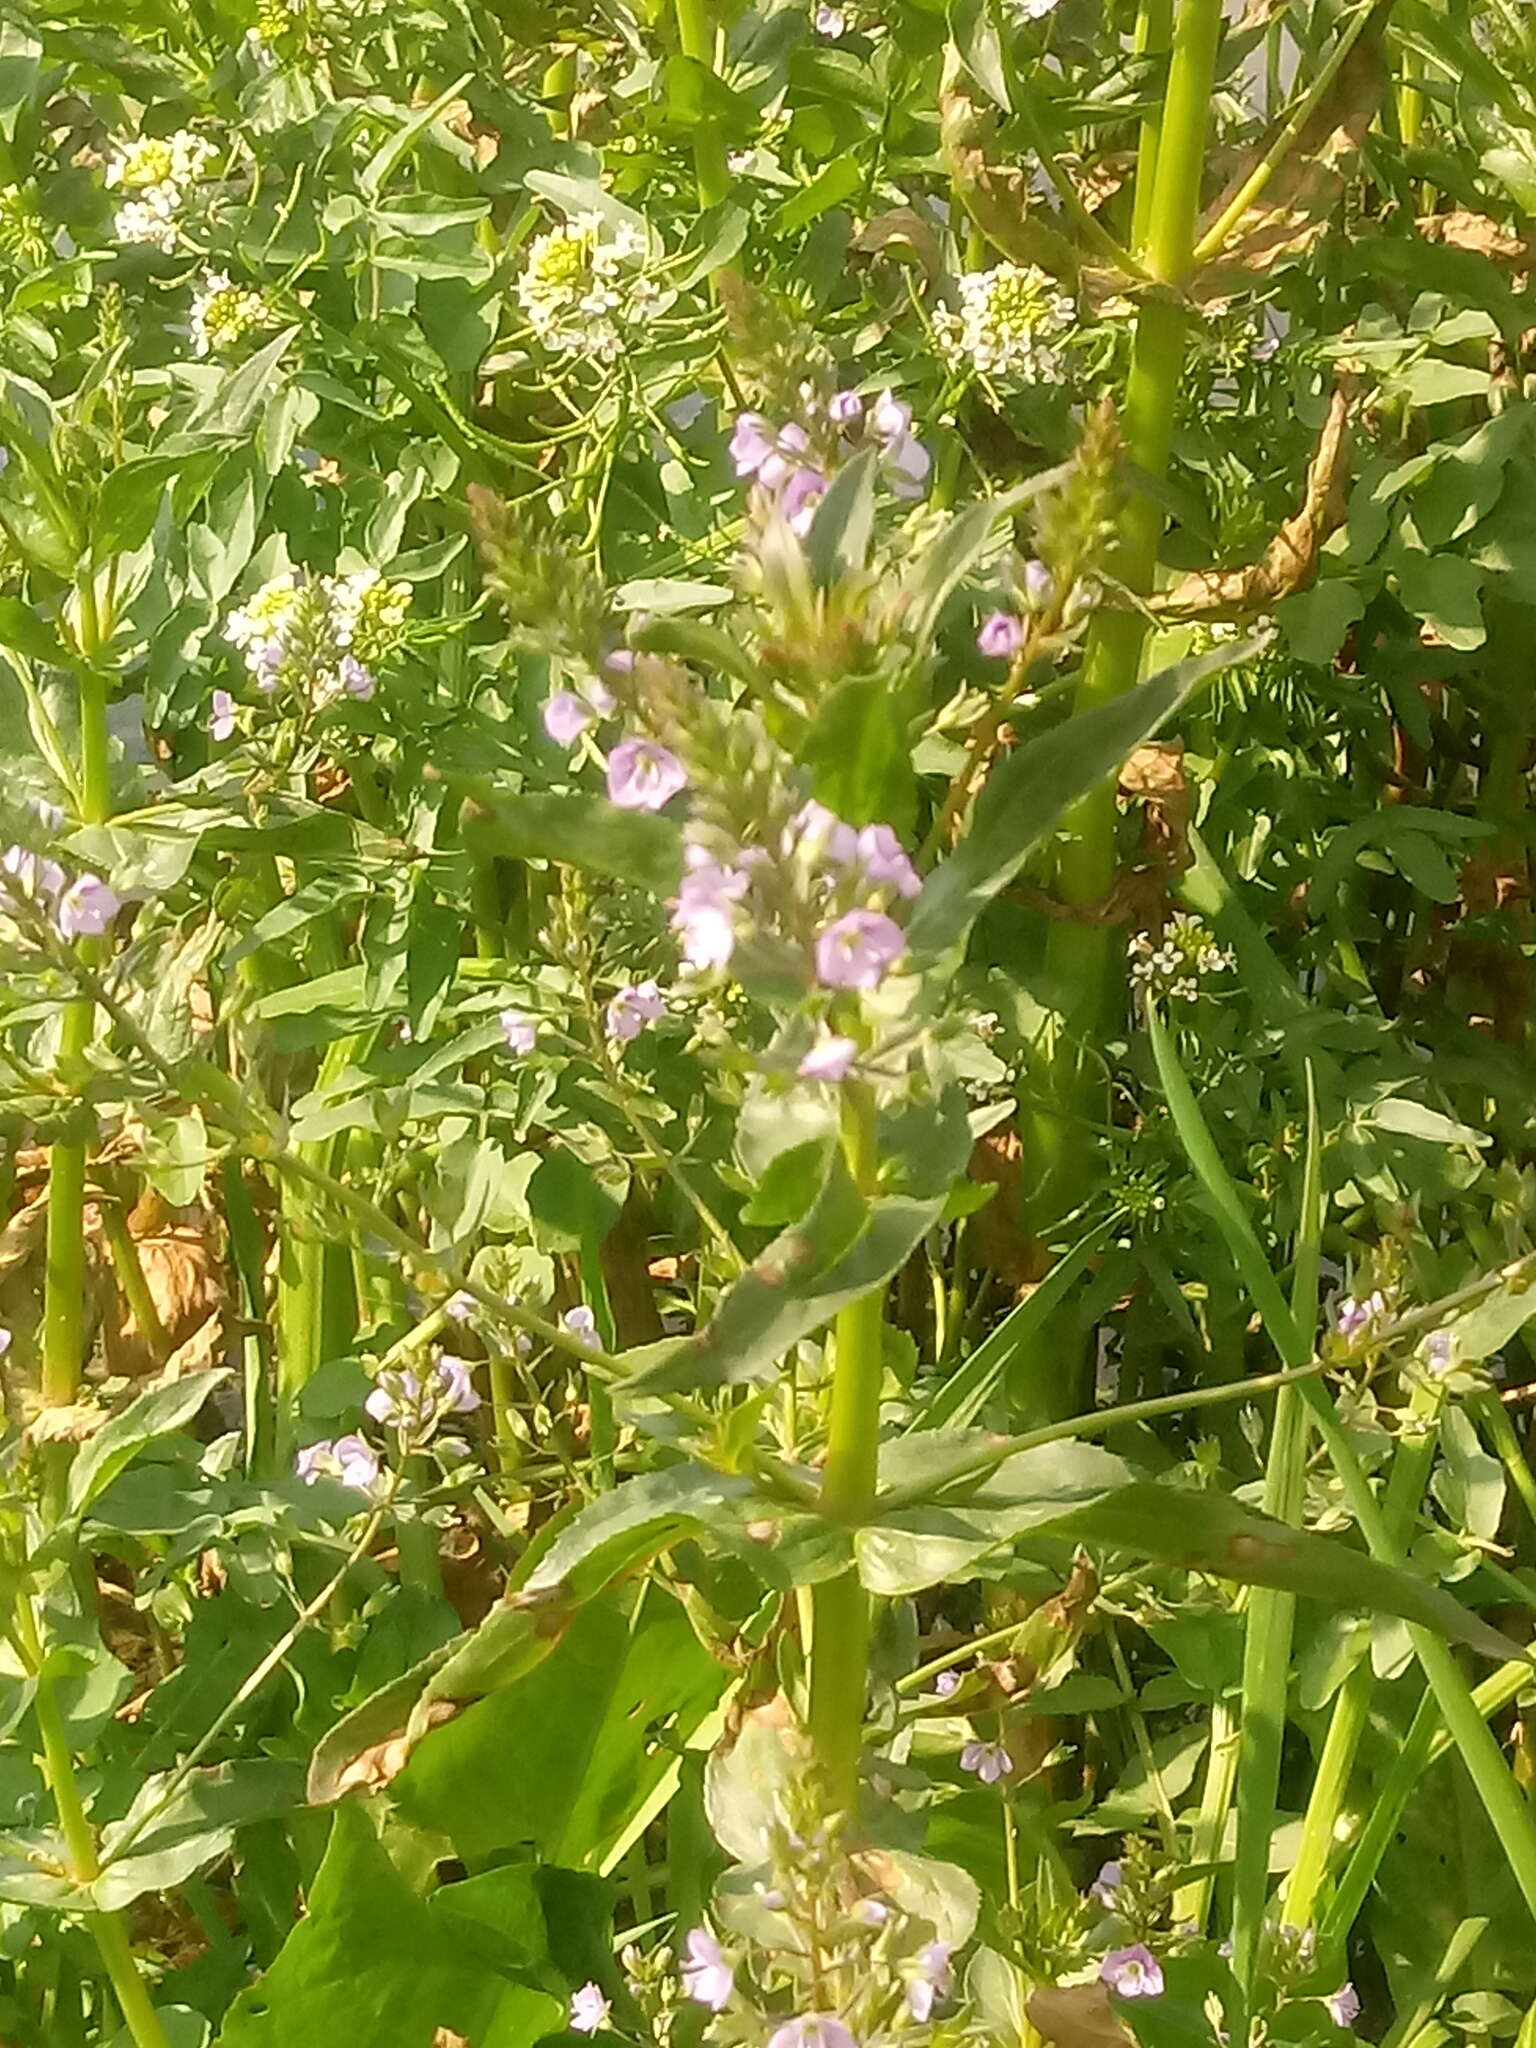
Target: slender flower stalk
696, 37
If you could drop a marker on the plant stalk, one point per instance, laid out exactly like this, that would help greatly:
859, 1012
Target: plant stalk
840, 1607
696, 37
1079, 951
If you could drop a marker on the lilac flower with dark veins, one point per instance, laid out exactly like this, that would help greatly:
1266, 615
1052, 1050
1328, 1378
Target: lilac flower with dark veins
518, 1030
927, 1980
707, 1977
946, 1683
582, 1325
858, 949
1132, 1972
453, 1385
396, 1397
831, 22
566, 717
350, 1459
884, 859
589, 2010
785, 455
989, 1760
1109, 1880
907, 461
845, 408
816, 2030
830, 1060
632, 1008
356, 679
801, 495
311, 1462
642, 775
1001, 636
221, 717
751, 443
1343, 2005
1354, 1316
87, 908
702, 912
1439, 1352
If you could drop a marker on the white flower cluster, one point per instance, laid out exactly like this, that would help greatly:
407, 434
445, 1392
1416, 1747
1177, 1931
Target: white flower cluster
224, 313
158, 170
1008, 319
584, 290
1176, 961
320, 635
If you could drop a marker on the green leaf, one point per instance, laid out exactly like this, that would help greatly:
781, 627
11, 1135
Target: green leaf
789, 1183
199, 1825
837, 181
568, 1200
117, 1443
580, 832
245, 391
939, 569
636, 1521
575, 196
1433, 381
1315, 621
859, 752
694, 95
844, 522
23, 631
1488, 1325
975, 33
376, 173
1446, 592
844, 1248
1027, 794
368, 1965
1414, 1120
1211, 1532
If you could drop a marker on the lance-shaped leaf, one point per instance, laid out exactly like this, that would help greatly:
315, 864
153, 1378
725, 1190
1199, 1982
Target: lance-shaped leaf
159, 1850
578, 831
152, 1416
1026, 795
845, 1248
366, 1748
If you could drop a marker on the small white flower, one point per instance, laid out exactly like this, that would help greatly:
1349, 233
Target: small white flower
1008, 318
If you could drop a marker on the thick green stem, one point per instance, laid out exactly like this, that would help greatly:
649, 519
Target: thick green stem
64, 1305
840, 1606
696, 35
110, 1935
1079, 951
1154, 38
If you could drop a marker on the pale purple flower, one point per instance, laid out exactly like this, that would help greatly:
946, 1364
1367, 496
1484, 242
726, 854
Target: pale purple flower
751, 443
582, 1325
829, 1060
566, 717
890, 417
395, 1397
1109, 1880
221, 717
350, 1459
1132, 1972
356, 679
589, 2010
453, 1385
907, 463
816, 834
702, 909
632, 1008
459, 1307
884, 859
1439, 1352
816, 2030
831, 22
845, 408
927, 1980
707, 1977
1039, 585
6, 1340
1343, 2005
519, 1030
801, 495
784, 457
1354, 1316
946, 1683
33, 873
87, 908
858, 949
642, 775
989, 1760
621, 662
49, 816
872, 1912
1001, 636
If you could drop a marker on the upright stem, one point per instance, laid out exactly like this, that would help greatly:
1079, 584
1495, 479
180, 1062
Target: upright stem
65, 1295
79, 1841
696, 36
1078, 950
1154, 38
840, 1606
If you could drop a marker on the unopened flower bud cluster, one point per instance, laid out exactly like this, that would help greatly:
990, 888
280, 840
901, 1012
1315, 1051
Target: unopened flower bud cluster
1007, 324
584, 289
